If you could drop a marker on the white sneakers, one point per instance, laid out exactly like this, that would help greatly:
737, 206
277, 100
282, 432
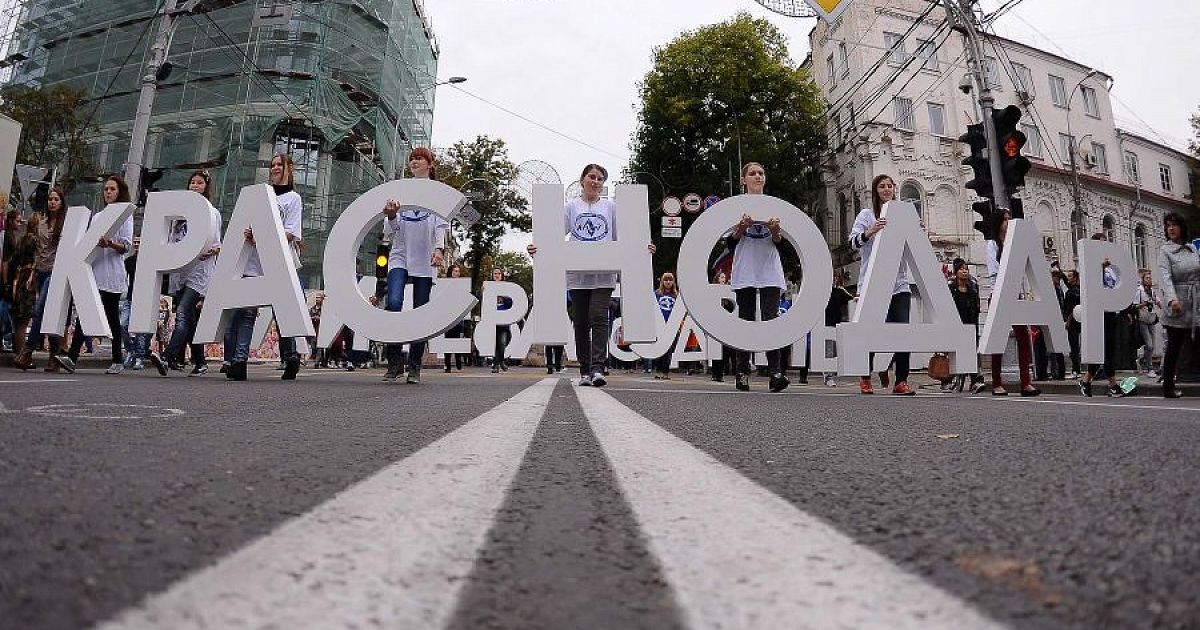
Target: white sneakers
115, 368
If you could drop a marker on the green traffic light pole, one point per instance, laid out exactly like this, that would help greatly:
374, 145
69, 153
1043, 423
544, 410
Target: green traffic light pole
975, 56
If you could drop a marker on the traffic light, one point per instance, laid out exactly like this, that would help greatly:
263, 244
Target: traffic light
978, 160
150, 176
986, 224
381, 259
1013, 165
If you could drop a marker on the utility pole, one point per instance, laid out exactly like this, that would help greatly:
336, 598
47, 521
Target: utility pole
976, 60
167, 23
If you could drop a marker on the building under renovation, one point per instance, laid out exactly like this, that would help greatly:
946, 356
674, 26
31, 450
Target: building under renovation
344, 86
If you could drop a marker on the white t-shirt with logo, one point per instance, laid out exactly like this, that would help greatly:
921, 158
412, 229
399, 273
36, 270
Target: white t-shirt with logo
756, 261
291, 211
415, 233
590, 223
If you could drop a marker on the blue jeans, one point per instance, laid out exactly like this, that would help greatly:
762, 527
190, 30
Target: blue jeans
34, 340
396, 279
6, 325
186, 316
239, 334
139, 345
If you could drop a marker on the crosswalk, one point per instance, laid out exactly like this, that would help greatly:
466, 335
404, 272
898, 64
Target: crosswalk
395, 549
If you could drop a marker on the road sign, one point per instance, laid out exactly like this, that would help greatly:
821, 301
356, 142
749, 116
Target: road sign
693, 203
711, 201
828, 10
672, 232
671, 206
669, 222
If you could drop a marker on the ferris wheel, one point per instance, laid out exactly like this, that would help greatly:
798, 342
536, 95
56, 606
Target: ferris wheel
531, 173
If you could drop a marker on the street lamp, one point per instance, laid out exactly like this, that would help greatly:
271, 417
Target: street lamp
396, 135
1071, 145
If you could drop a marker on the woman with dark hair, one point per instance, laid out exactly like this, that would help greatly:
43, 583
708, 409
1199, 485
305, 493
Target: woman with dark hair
1179, 277
189, 286
995, 249
867, 224
23, 283
13, 227
111, 279
589, 218
458, 331
503, 332
418, 237
1071, 299
965, 291
757, 278
48, 234
241, 324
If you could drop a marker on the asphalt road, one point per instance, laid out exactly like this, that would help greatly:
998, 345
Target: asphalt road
514, 501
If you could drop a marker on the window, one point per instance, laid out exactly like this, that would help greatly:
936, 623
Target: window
832, 71
847, 215
910, 193
927, 52
895, 45
1139, 246
1024, 78
1164, 176
1100, 157
1058, 91
837, 128
904, 113
1109, 228
1090, 104
992, 70
1132, 169
1066, 148
844, 59
1078, 231
1033, 140
937, 119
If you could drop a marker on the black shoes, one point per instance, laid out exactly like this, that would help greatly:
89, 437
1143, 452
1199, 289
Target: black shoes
1085, 389
291, 367
743, 382
236, 371
778, 382
1172, 392
1029, 393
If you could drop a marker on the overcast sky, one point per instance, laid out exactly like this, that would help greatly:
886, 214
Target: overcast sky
567, 70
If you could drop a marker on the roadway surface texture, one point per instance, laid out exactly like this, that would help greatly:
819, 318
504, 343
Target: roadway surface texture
520, 500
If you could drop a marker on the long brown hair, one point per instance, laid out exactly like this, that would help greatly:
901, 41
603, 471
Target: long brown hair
202, 174
876, 202
57, 220
425, 154
289, 168
674, 289
122, 187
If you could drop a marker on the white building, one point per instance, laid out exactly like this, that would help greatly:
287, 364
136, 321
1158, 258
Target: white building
891, 70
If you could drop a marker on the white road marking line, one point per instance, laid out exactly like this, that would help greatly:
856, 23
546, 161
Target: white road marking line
393, 550
1110, 405
722, 392
738, 556
40, 380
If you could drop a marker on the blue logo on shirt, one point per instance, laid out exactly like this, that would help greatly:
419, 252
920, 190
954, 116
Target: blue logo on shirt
414, 215
666, 303
590, 227
758, 229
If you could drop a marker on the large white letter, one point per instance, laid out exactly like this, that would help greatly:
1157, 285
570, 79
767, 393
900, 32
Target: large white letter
490, 317
157, 256
332, 322
1095, 299
278, 287
703, 300
445, 308
73, 275
903, 240
1022, 260
626, 254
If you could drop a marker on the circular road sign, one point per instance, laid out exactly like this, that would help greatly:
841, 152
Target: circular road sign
671, 206
693, 203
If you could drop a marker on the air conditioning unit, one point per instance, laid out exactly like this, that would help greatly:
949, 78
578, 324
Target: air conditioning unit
1048, 243
1089, 160
1025, 97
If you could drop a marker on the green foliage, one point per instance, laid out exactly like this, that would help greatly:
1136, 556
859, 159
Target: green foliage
1194, 145
707, 90
54, 129
482, 166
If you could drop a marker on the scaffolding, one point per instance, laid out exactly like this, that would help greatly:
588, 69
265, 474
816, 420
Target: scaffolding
334, 86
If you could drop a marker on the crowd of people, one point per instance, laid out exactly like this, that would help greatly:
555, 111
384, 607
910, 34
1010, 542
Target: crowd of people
1166, 297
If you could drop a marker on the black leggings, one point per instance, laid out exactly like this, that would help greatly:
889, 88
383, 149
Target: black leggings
112, 312
1176, 337
766, 299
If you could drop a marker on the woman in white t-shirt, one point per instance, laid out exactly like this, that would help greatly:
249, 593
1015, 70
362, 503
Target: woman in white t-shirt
757, 278
995, 250
591, 219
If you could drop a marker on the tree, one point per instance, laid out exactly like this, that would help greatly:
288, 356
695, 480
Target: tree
482, 168
1194, 173
53, 131
720, 93
517, 268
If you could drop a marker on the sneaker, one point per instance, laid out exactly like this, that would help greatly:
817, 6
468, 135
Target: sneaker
657, 376
829, 382
1151, 374
236, 371
138, 365
1115, 392
978, 386
778, 383
585, 380
413, 378
1085, 389
742, 382
66, 362
391, 375
1172, 393
903, 389
864, 385
115, 368
598, 380
199, 370
999, 391
290, 369
1031, 392
224, 367
158, 364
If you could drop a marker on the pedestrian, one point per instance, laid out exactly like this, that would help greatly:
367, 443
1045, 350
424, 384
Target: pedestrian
994, 252
418, 237
137, 346
317, 355
1179, 278
112, 280
666, 295
867, 224
23, 295
1147, 305
835, 313
48, 234
189, 285
1110, 338
457, 331
241, 322
503, 332
721, 366
1057, 364
757, 277
965, 291
13, 230
590, 219
1071, 299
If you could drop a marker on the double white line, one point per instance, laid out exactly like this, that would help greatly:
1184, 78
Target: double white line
395, 549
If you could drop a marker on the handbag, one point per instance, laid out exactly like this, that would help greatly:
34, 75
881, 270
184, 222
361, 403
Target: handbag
1147, 316
939, 367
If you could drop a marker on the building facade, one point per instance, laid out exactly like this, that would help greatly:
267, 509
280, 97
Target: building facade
345, 88
891, 72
